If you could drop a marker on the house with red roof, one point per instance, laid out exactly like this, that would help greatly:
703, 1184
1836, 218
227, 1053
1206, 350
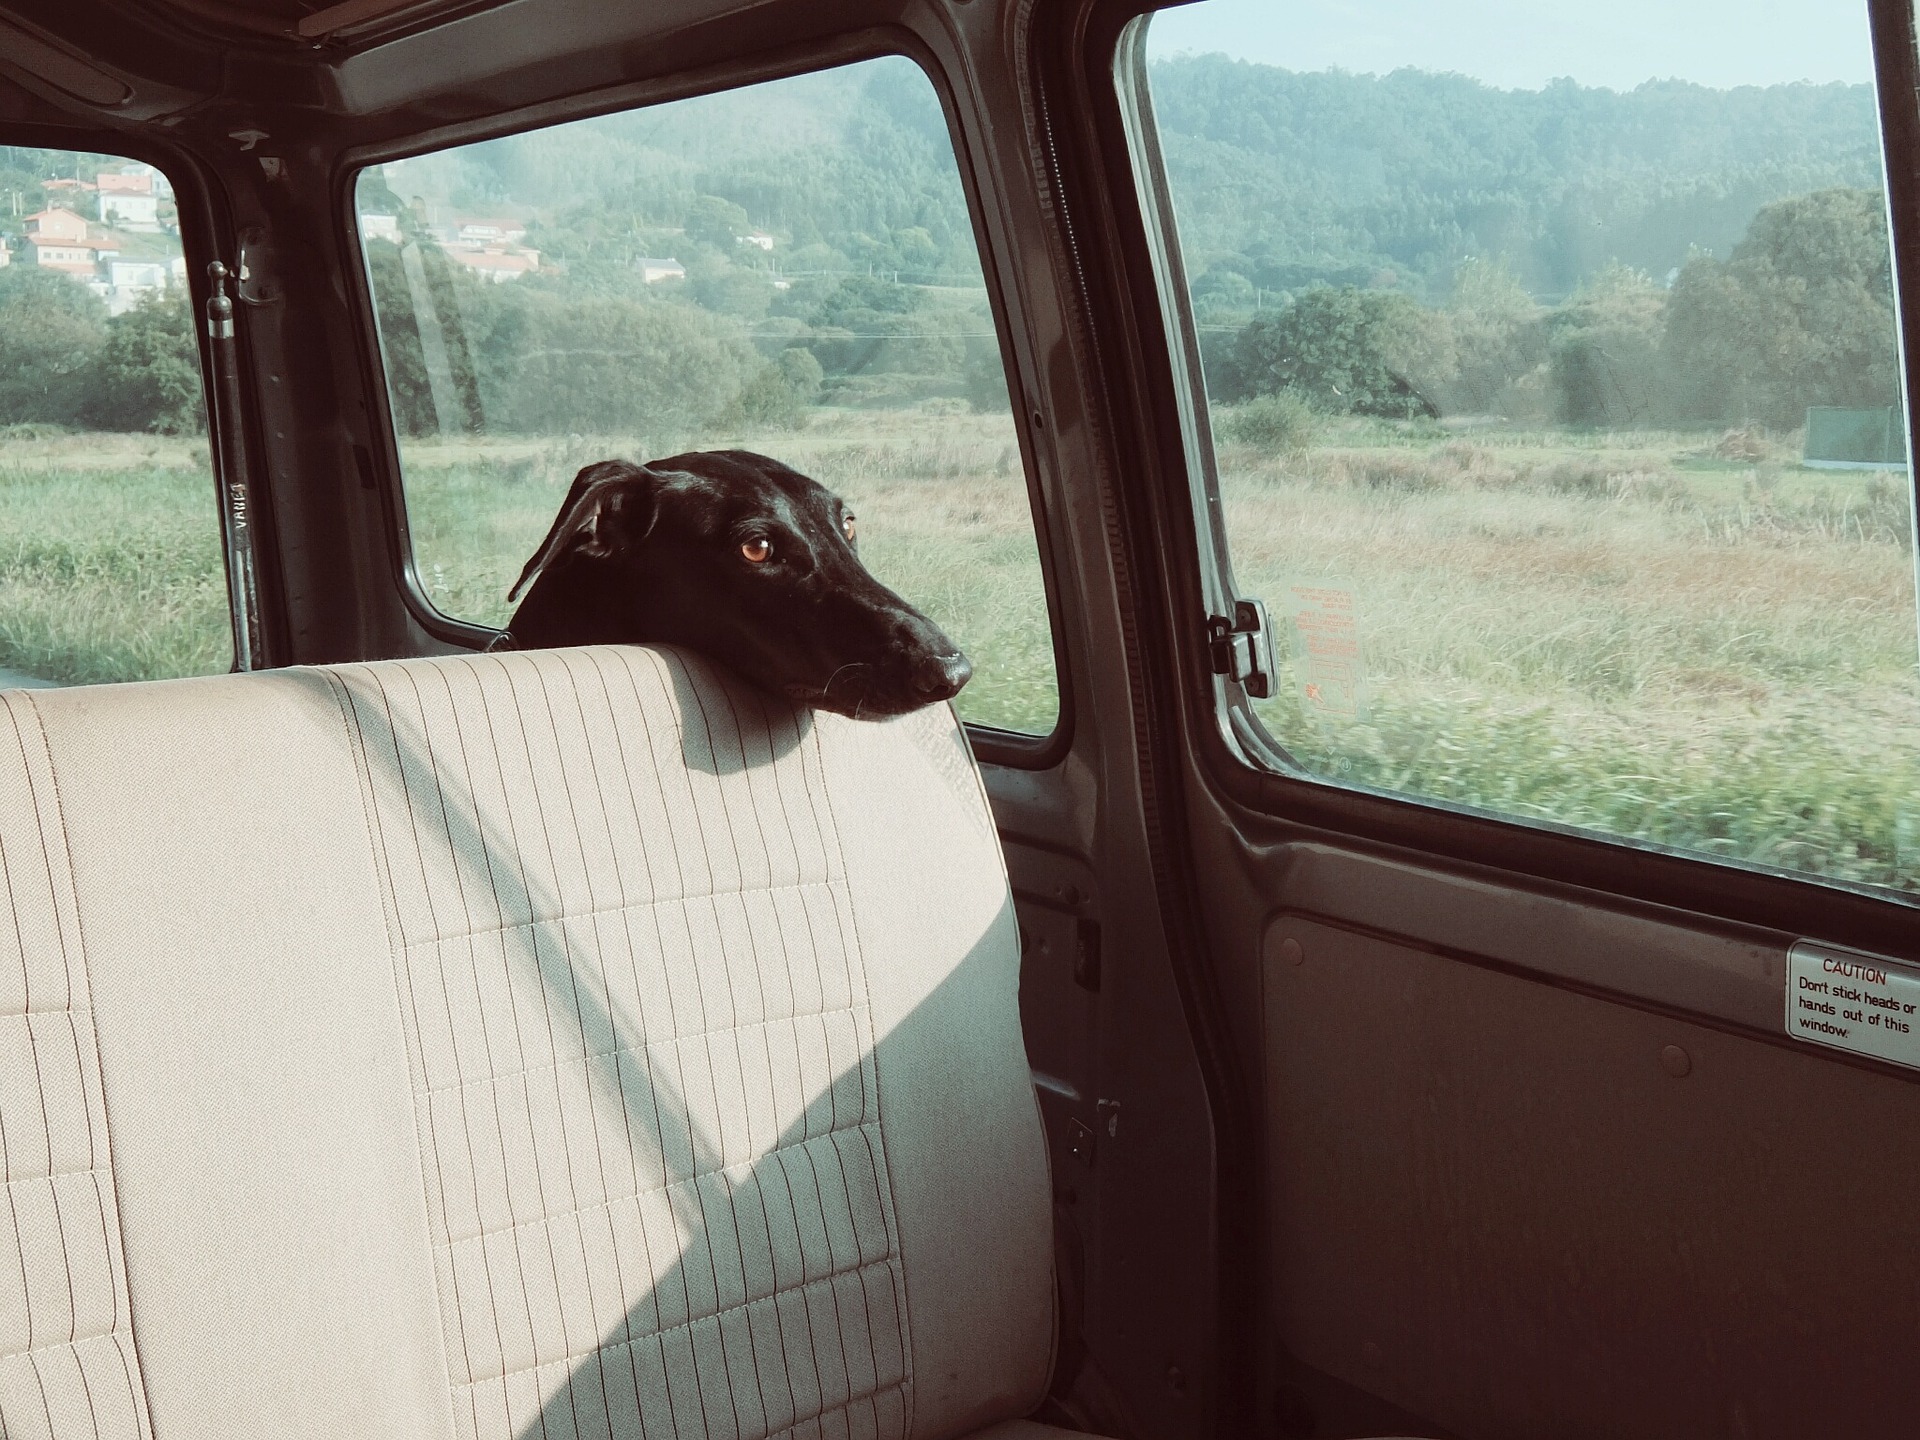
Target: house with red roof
56, 225
57, 239
496, 265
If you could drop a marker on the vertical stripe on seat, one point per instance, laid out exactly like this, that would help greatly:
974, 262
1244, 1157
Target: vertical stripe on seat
641, 1049
67, 1363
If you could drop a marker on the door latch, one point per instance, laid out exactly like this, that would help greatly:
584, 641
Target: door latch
1242, 648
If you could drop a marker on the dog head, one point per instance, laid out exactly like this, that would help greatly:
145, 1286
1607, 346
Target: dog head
745, 560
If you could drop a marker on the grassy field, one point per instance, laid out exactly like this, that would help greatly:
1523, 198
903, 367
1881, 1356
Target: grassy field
110, 565
1684, 639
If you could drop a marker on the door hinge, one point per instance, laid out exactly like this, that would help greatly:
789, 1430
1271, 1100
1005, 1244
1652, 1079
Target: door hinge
1242, 648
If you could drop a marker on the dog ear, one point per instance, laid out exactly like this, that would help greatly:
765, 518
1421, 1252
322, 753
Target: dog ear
611, 503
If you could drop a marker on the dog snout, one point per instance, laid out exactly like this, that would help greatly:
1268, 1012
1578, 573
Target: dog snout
941, 677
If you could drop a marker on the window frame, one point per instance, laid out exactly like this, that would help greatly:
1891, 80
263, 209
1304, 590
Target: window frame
204, 224
991, 744
1253, 772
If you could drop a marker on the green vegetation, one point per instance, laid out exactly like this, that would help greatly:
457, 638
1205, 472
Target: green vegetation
1800, 315
110, 565
1283, 423
1346, 350
1692, 643
1288, 180
146, 375
1393, 245
64, 362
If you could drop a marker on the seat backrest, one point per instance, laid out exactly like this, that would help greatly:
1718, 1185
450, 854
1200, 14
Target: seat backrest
566, 1043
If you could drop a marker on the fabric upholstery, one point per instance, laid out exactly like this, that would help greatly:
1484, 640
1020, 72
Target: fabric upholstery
67, 1364
642, 1049
253, 1059
975, 1209
567, 1043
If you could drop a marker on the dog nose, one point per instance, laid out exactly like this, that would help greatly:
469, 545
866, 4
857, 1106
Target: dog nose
940, 677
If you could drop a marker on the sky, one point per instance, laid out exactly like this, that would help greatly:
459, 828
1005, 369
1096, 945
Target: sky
1522, 44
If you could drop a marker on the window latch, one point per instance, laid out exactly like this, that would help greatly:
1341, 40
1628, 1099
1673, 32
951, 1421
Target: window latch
1242, 648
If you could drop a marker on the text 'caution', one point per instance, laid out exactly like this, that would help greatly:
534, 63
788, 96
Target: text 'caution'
1854, 1002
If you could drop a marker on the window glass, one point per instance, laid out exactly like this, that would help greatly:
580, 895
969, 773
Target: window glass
1556, 397
788, 268
110, 558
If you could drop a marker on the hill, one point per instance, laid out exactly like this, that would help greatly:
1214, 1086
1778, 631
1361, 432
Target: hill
1287, 179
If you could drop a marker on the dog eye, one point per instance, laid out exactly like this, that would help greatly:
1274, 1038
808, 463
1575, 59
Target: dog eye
758, 550
848, 528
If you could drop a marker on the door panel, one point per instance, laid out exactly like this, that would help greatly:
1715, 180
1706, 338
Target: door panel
1520, 1210
1537, 1156
1727, 973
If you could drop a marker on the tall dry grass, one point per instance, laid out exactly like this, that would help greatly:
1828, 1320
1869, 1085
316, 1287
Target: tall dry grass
1634, 634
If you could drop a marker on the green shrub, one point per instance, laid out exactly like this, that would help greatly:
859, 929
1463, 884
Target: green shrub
1352, 351
777, 396
146, 376
51, 328
1282, 424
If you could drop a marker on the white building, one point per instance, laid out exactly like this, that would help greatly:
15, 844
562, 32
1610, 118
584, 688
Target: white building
131, 281
487, 233
130, 200
653, 271
496, 266
381, 227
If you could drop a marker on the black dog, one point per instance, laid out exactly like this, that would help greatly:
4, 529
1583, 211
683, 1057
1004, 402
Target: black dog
745, 560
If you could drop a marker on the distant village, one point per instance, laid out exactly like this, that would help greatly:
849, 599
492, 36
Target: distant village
118, 234
492, 249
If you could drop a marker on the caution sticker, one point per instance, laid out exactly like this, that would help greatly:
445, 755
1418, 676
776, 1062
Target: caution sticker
1323, 621
1854, 1001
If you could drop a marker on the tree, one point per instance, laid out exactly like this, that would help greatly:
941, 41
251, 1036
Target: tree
985, 374
147, 374
777, 396
729, 288
51, 327
1604, 352
1310, 175
1801, 314
433, 323
869, 326
1499, 339
620, 366
1221, 293
1367, 352
716, 222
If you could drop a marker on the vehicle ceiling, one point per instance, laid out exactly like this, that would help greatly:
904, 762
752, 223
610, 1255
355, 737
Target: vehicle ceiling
366, 71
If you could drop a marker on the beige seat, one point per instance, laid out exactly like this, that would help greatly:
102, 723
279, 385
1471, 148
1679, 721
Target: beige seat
563, 1044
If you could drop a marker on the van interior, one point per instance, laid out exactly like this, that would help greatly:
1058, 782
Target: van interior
1407, 933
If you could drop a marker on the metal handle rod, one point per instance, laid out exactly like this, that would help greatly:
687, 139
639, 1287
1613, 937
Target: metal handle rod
231, 472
